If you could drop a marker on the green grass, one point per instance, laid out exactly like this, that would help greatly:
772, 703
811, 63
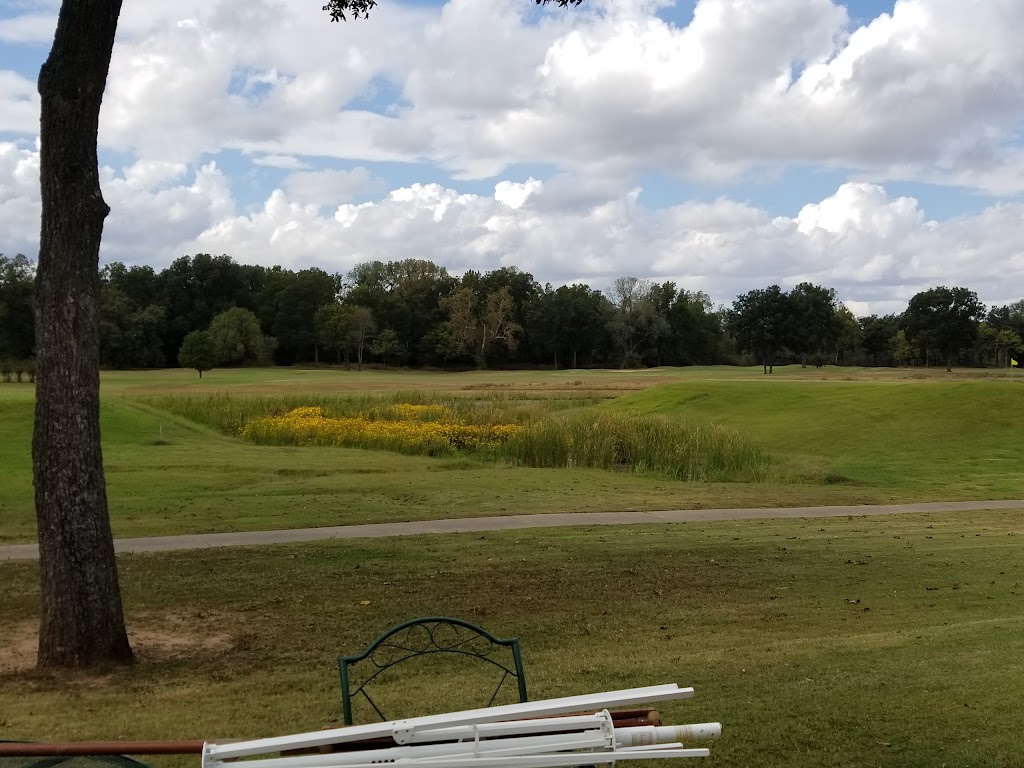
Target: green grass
839, 642
557, 432
932, 439
166, 475
879, 439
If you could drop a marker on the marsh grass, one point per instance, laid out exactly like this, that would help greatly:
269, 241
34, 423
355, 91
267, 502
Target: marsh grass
643, 444
547, 433
229, 412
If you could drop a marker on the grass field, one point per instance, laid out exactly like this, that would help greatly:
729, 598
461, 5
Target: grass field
836, 436
837, 642
840, 642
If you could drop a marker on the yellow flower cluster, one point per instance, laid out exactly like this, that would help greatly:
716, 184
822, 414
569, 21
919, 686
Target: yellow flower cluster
426, 412
309, 426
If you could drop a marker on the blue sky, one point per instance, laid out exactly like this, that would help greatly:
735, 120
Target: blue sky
873, 146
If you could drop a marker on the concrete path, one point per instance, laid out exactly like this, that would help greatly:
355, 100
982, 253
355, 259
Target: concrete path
509, 522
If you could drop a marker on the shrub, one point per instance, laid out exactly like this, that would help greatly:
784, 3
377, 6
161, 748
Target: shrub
6, 371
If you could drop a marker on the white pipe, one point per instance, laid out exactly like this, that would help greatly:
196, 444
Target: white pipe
594, 739
556, 760
403, 730
643, 735
510, 727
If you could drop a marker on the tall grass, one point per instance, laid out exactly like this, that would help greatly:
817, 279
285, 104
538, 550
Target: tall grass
554, 432
638, 444
229, 413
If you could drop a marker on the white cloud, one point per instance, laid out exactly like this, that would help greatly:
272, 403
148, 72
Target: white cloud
330, 187
876, 250
20, 103
287, 162
930, 92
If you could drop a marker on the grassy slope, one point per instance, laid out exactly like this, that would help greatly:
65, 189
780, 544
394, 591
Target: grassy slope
897, 441
932, 439
840, 642
201, 481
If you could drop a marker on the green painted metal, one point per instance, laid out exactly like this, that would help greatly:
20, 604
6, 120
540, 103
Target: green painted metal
423, 637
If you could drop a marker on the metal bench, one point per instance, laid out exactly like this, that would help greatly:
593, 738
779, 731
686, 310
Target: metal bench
424, 637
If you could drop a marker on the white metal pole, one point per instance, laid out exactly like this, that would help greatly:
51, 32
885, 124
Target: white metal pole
403, 730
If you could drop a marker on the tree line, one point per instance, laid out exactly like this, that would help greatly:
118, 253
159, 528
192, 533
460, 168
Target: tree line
205, 311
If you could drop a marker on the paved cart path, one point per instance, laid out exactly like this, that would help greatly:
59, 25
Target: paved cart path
509, 522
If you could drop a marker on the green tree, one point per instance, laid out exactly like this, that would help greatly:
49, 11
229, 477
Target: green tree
815, 325
697, 329
761, 322
82, 621
900, 349
876, 336
849, 345
363, 328
636, 322
130, 336
404, 296
198, 351
478, 327
297, 304
237, 338
945, 319
334, 328
389, 344
17, 326
195, 289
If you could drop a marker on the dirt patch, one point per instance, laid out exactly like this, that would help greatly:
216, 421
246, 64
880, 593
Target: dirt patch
18, 649
176, 637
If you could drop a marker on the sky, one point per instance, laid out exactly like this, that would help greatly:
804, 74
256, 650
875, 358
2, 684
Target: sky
874, 147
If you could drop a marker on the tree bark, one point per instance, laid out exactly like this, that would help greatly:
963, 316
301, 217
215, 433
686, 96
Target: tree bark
82, 622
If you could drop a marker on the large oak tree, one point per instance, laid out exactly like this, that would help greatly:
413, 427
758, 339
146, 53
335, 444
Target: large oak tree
82, 622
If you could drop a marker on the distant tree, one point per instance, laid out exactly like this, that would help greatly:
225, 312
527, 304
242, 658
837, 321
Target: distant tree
849, 345
877, 334
815, 326
636, 322
334, 324
1008, 345
697, 329
362, 330
297, 304
389, 345
193, 290
237, 338
945, 319
199, 351
900, 348
131, 336
477, 327
404, 296
17, 326
761, 322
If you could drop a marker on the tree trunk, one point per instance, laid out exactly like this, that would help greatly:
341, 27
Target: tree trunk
949, 363
316, 354
82, 623
574, 357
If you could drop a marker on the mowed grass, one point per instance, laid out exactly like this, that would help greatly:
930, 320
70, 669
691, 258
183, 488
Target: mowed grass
835, 642
167, 475
930, 439
880, 438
